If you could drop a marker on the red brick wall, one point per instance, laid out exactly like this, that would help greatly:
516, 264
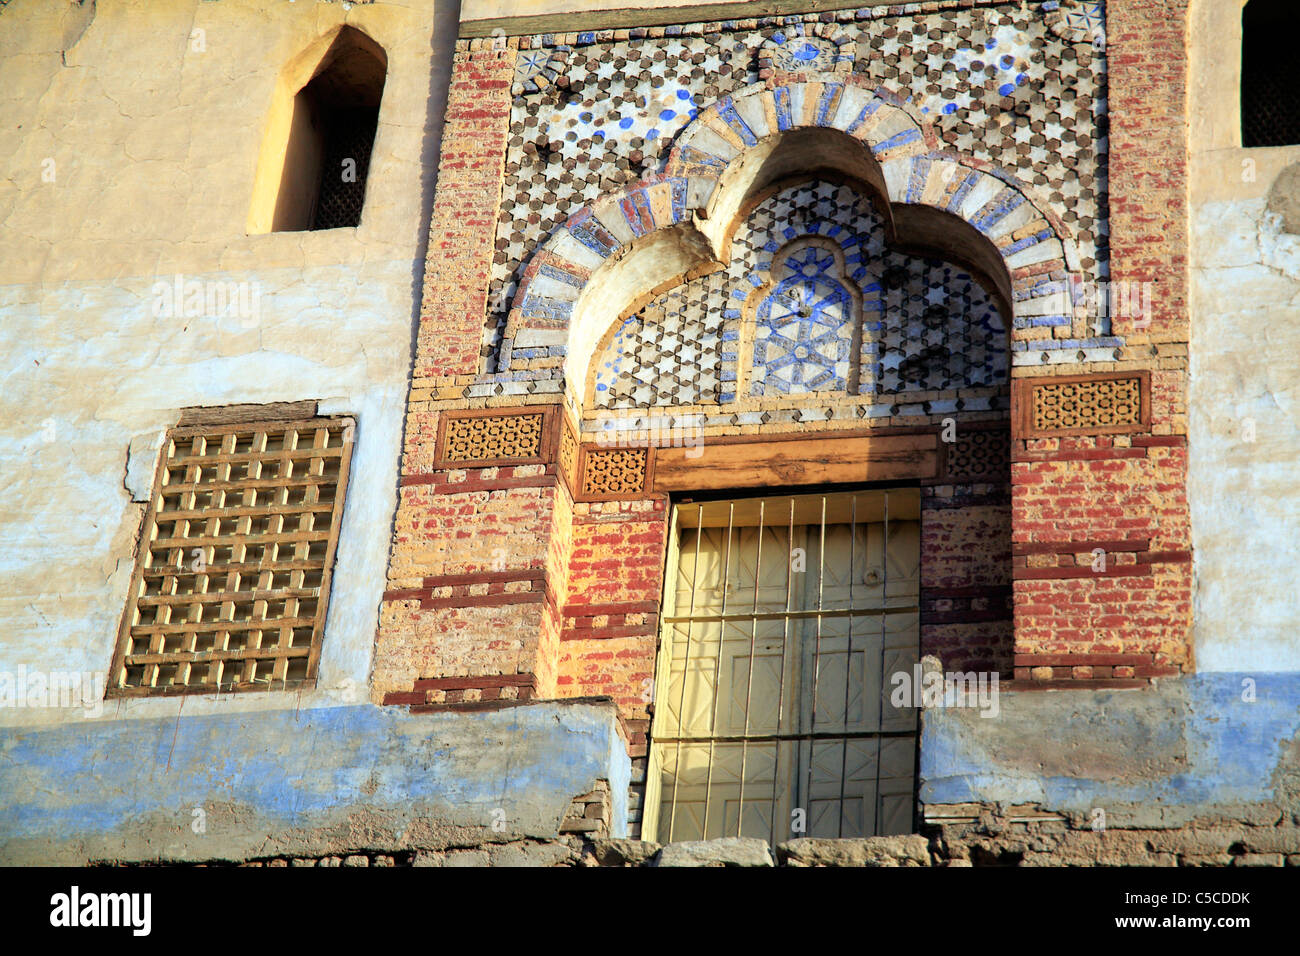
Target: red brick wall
1076, 609
966, 577
611, 614
471, 586
463, 228
1147, 66
1125, 495
611, 617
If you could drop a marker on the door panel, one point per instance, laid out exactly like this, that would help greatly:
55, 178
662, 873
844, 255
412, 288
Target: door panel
773, 691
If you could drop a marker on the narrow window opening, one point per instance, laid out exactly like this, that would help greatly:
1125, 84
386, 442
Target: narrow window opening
331, 136
1270, 95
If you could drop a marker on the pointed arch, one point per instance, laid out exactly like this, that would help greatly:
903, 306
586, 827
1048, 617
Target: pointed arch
328, 94
678, 221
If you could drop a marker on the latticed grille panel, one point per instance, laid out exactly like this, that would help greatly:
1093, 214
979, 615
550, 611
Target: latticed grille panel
345, 164
232, 577
1106, 403
494, 438
568, 455
983, 454
614, 472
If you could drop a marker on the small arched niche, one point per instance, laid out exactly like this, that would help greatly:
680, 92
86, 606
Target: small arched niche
315, 156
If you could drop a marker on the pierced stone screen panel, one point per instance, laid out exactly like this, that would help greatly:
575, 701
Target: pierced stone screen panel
233, 569
1075, 405
1103, 404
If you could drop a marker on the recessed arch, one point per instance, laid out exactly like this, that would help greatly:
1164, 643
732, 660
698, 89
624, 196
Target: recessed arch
326, 102
916, 323
614, 252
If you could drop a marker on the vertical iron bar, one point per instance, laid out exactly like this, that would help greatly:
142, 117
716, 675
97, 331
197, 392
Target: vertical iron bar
686, 670
749, 686
780, 693
848, 655
817, 662
717, 674
880, 691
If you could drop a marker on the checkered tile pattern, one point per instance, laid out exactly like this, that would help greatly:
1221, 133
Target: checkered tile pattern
996, 81
668, 354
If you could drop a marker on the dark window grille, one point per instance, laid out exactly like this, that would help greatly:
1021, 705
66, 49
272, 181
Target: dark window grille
332, 133
1270, 92
349, 135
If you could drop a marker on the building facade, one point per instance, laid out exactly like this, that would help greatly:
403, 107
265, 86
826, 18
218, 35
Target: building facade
537, 435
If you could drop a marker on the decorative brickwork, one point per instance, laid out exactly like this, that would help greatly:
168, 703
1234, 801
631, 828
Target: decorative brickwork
474, 555
442, 693
1077, 497
470, 174
1103, 557
611, 616
640, 270
966, 612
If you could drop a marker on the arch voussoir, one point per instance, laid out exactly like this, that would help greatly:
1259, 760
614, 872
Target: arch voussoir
914, 172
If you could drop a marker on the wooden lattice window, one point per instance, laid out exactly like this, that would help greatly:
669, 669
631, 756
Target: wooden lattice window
232, 575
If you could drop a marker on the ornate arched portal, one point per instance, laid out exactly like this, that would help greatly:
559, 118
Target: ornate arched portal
806, 357
610, 256
807, 254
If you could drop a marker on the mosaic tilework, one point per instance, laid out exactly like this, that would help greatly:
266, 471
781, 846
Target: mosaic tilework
804, 327
537, 70
921, 324
821, 47
1078, 21
669, 353
995, 79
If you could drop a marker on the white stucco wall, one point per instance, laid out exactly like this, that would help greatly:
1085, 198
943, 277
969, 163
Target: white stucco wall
1244, 398
154, 146
1244, 482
